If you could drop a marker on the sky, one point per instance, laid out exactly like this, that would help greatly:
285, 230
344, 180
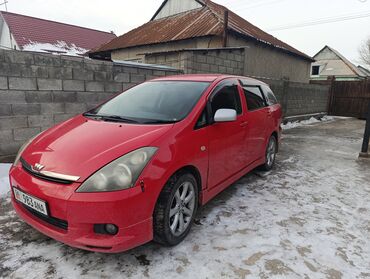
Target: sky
121, 16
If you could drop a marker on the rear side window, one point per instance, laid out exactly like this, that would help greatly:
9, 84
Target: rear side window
226, 97
271, 99
254, 97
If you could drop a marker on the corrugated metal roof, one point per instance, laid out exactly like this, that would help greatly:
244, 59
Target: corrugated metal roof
205, 21
26, 30
195, 23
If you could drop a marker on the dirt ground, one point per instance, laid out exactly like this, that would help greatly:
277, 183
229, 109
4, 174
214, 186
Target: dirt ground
308, 218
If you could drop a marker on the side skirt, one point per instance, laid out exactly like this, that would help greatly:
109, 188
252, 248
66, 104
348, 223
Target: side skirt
207, 195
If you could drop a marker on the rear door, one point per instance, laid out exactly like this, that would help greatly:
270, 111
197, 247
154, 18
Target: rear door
274, 114
226, 140
257, 116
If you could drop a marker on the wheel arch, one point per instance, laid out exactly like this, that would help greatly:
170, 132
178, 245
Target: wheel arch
195, 172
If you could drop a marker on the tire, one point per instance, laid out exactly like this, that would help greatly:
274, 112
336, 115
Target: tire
171, 205
270, 154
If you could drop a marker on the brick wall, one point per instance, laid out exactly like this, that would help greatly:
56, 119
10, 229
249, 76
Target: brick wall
38, 91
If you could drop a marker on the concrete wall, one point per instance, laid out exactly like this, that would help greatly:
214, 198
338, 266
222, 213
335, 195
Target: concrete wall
138, 53
300, 98
39, 90
197, 61
264, 61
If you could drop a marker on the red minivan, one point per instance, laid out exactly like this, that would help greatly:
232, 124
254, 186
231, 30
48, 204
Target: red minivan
137, 167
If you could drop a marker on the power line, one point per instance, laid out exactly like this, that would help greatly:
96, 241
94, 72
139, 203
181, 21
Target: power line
257, 5
321, 21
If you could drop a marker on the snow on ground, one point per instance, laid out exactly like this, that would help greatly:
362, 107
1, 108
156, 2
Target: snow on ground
60, 47
312, 120
308, 218
4, 180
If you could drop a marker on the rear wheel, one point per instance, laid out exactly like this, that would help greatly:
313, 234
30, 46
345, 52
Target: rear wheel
175, 209
270, 154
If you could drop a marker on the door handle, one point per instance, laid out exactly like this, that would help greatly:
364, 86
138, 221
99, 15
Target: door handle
244, 124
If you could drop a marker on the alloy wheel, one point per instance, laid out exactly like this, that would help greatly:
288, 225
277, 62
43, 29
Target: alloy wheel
182, 208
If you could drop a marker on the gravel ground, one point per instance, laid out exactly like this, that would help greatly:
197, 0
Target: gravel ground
308, 218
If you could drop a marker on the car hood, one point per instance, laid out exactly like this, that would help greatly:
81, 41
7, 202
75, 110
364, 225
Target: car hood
81, 146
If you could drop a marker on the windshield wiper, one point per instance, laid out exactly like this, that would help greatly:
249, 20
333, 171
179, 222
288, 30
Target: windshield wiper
117, 118
112, 118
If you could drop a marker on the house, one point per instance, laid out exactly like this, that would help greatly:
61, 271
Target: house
202, 24
330, 62
27, 33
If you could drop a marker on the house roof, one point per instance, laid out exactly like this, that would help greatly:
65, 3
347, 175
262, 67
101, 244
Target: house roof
364, 70
205, 21
27, 30
335, 66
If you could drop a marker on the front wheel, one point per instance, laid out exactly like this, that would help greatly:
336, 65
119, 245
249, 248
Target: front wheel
175, 209
270, 154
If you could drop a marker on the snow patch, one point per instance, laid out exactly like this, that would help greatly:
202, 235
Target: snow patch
60, 47
4, 180
312, 120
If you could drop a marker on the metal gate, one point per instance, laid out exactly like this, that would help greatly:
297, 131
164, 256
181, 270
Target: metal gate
349, 98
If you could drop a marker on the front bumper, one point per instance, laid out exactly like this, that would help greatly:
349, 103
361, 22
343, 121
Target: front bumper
78, 212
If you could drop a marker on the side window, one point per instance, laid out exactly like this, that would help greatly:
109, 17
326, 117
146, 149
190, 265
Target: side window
226, 97
254, 97
271, 99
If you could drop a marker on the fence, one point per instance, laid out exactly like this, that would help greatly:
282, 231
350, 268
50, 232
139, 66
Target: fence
349, 98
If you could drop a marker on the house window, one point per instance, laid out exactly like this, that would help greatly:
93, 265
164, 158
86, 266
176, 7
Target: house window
315, 70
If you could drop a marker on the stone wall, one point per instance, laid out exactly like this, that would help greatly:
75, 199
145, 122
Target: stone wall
38, 91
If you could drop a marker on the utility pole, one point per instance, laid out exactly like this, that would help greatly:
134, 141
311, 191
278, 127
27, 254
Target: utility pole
365, 145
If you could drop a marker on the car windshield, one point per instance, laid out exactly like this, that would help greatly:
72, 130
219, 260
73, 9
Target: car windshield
152, 102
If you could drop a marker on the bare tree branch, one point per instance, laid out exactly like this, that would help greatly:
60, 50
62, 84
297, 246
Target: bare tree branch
364, 52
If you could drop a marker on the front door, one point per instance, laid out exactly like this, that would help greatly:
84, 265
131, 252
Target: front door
226, 155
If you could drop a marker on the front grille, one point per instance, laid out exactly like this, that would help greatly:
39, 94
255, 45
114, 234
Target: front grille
62, 224
27, 167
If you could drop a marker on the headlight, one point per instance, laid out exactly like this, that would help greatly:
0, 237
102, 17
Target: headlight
23, 147
120, 174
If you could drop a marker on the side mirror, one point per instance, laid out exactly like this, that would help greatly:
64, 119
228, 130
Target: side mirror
225, 115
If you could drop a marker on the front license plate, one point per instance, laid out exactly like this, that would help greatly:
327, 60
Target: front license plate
32, 202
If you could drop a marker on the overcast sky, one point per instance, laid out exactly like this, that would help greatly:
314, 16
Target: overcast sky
121, 16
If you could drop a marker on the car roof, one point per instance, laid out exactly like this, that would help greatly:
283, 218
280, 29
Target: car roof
207, 78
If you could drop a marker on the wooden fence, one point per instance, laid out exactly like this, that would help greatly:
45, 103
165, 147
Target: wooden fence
349, 98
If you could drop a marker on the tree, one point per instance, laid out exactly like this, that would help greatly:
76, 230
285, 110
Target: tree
364, 52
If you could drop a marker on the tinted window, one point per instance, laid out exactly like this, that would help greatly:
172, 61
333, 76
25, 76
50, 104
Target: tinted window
270, 97
226, 97
157, 101
254, 97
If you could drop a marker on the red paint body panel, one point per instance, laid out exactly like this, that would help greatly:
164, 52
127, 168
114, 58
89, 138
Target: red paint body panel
82, 146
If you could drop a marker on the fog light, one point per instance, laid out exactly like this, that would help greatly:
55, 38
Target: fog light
111, 229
